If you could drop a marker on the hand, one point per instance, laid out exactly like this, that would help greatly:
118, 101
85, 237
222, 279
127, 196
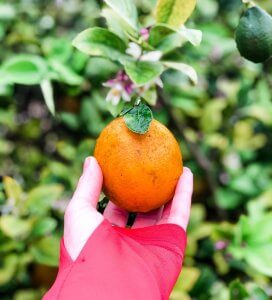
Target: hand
82, 218
100, 261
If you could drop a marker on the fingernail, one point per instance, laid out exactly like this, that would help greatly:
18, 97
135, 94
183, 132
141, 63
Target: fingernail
87, 163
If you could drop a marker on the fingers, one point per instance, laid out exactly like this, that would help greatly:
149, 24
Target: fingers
178, 210
147, 219
115, 215
90, 184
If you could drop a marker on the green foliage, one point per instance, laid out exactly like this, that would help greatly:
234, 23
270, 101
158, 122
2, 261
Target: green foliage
225, 117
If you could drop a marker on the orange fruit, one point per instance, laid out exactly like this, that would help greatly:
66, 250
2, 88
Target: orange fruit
140, 170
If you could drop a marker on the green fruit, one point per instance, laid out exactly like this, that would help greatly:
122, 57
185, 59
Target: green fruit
254, 35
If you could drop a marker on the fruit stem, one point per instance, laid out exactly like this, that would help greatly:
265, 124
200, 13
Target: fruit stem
138, 101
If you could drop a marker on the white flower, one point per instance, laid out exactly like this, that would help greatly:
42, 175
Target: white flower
116, 93
151, 56
134, 50
137, 52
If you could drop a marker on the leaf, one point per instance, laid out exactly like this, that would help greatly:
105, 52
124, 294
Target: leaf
28, 294
40, 199
188, 279
66, 150
115, 23
24, 69
259, 294
150, 96
46, 251
174, 12
100, 42
169, 43
8, 269
7, 12
126, 10
139, 118
191, 35
15, 227
184, 68
159, 32
13, 189
238, 291
64, 73
142, 72
6, 147
43, 227
260, 258
244, 184
59, 49
227, 199
70, 120
212, 115
261, 230
47, 91
115, 110
127, 107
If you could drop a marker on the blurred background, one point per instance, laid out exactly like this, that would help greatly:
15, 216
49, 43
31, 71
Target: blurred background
223, 125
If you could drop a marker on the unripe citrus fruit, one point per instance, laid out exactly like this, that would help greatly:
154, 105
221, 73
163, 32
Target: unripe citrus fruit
254, 35
140, 170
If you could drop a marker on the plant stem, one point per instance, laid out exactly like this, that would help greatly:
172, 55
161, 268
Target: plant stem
203, 161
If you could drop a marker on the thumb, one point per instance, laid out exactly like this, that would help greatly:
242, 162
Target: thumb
90, 184
81, 217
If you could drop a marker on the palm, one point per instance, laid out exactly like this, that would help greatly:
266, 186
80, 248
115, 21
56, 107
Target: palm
82, 218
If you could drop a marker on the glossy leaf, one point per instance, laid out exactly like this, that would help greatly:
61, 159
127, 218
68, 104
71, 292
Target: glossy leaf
100, 42
47, 91
24, 69
138, 119
142, 72
183, 68
126, 10
159, 32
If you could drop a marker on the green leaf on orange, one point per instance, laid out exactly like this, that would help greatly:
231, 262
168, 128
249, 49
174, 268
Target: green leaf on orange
139, 118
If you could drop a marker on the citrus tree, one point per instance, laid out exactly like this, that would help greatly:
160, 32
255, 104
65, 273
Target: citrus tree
203, 69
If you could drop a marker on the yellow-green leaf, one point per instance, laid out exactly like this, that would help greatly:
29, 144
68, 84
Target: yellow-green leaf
46, 251
15, 227
12, 189
8, 268
174, 12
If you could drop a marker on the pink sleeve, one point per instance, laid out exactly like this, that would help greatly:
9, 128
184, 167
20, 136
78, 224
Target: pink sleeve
121, 264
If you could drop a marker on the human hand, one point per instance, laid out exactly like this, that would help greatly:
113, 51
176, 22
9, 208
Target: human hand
157, 237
